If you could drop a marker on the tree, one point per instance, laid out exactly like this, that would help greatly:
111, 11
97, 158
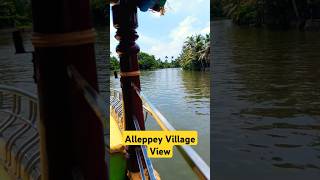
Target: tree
216, 8
99, 11
195, 53
7, 11
15, 13
273, 13
114, 63
147, 61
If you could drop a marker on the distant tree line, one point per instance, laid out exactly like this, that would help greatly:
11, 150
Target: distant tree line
272, 13
147, 62
195, 55
18, 13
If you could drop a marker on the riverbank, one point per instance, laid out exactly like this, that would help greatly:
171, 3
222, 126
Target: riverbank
21, 29
18, 13
274, 14
310, 25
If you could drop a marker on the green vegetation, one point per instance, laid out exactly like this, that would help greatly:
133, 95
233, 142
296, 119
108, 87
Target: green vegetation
271, 13
195, 53
146, 62
99, 11
216, 9
114, 63
17, 13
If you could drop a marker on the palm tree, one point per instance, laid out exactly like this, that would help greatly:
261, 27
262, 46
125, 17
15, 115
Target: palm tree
205, 52
195, 52
230, 7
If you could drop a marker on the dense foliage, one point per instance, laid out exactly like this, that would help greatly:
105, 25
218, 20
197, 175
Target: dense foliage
99, 11
273, 13
216, 9
114, 63
17, 13
146, 62
195, 53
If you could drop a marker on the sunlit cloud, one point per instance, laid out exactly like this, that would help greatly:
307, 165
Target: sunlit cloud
188, 27
191, 18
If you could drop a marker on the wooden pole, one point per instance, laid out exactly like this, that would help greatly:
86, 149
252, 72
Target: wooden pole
125, 21
72, 143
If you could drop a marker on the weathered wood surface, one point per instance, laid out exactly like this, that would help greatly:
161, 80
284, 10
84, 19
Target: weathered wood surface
125, 21
72, 144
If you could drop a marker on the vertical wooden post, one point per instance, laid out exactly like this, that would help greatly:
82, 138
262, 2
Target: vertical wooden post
125, 21
18, 43
72, 143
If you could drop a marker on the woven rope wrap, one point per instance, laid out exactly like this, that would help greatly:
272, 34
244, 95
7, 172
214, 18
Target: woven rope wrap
130, 74
63, 39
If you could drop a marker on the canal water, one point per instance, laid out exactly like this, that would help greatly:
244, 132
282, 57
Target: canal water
183, 97
266, 103
17, 69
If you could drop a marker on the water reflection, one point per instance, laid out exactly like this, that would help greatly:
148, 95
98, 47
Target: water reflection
17, 69
266, 103
196, 84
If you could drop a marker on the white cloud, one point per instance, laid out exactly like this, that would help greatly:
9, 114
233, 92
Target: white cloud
189, 26
155, 14
113, 41
206, 30
184, 29
172, 44
176, 6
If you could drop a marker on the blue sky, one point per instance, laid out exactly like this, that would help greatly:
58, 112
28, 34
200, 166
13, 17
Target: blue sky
164, 35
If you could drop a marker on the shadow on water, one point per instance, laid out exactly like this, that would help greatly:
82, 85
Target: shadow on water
266, 104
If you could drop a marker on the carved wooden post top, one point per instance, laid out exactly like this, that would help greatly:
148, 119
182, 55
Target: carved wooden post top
125, 20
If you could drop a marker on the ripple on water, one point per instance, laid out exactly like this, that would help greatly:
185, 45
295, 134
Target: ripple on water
265, 103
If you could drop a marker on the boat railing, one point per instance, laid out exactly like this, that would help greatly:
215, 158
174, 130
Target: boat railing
96, 102
18, 127
98, 105
194, 160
